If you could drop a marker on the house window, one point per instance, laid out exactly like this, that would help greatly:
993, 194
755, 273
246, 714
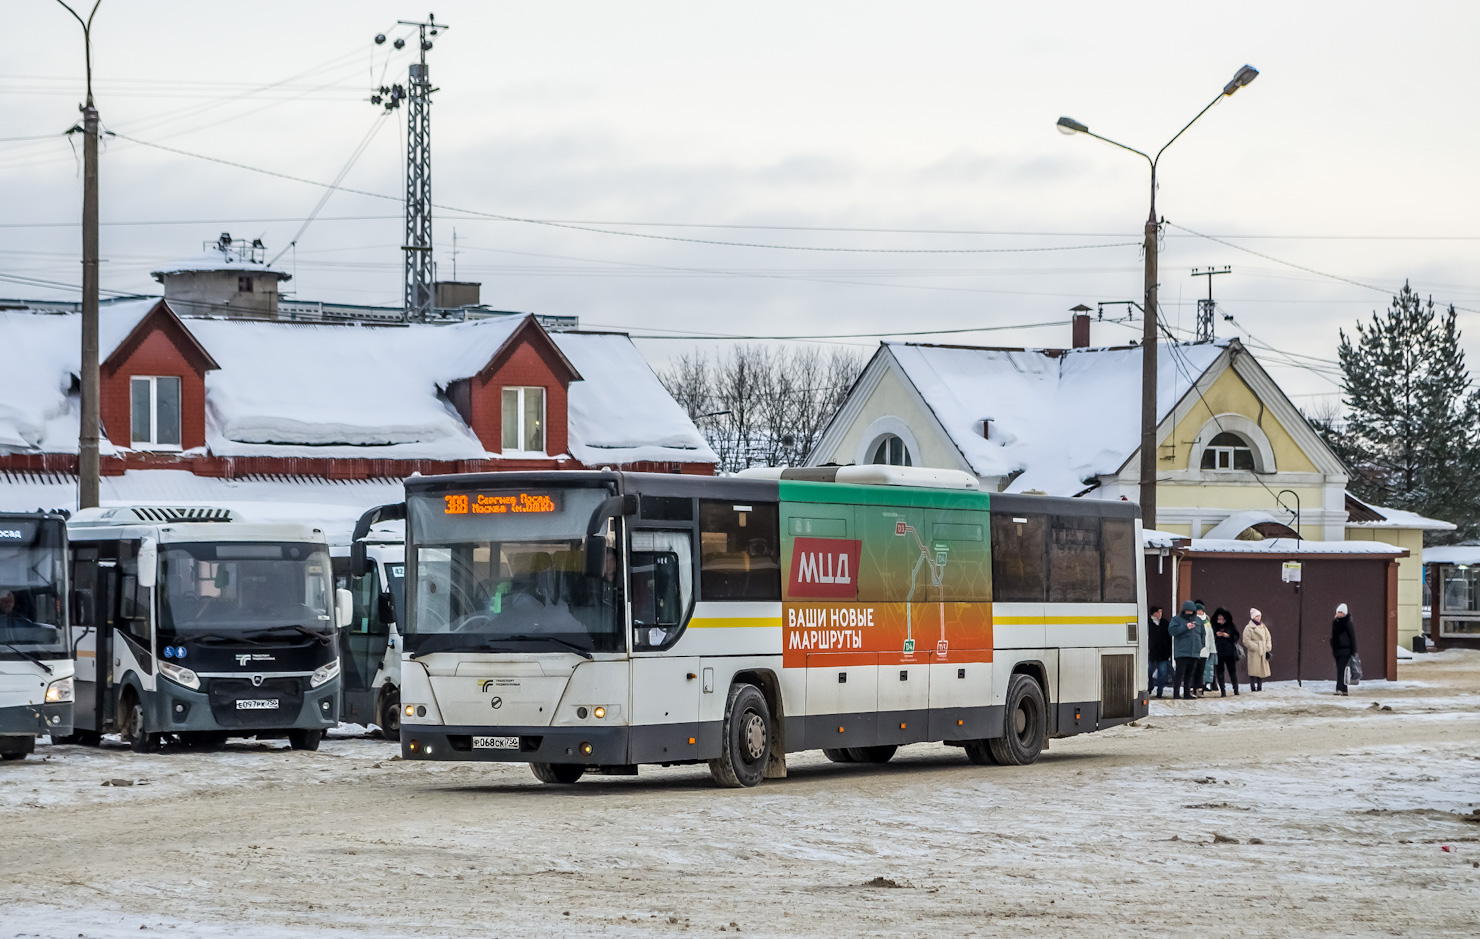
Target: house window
891, 451
524, 420
154, 409
244, 285
1228, 451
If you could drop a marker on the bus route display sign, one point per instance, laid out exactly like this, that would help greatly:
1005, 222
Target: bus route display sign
500, 503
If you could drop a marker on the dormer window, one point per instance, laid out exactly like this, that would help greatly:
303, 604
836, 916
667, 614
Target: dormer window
1228, 451
154, 412
523, 420
891, 451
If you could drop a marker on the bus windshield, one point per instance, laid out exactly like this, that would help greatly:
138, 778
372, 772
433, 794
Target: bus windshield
31, 588
245, 587
494, 580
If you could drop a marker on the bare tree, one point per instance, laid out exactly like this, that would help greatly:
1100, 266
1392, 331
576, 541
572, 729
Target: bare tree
762, 407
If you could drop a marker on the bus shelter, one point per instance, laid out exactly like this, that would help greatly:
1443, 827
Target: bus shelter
1451, 586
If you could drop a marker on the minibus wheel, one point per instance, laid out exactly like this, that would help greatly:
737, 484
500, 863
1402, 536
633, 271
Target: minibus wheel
746, 741
842, 755
557, 773
138, 739
1024, 724
305, 738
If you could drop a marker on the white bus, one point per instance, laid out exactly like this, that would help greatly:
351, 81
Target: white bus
595, 621
35, 661
203, 627
370, 646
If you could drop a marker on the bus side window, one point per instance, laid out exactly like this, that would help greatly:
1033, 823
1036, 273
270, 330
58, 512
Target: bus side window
739, 550
662, 579
1118, 540
1018, 558
1074, 559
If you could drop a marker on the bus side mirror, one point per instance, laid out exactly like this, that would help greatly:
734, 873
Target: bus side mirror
613, 507
82, 602
148, 562
344, 607
358, 563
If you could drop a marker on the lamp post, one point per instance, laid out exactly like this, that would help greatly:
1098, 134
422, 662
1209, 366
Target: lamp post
1067, 125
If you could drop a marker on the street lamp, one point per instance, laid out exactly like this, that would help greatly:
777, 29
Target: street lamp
1069, 126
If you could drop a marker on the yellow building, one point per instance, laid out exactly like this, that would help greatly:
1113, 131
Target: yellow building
1236, 460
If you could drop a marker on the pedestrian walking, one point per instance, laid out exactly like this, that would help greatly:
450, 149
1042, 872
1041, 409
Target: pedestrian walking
1209, 650
1257, 649
1343, 645
1159, 647
1187, 641
1225, 641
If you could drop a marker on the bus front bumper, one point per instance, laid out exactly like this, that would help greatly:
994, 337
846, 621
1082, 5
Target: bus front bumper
585, 746
28, 720
177, 709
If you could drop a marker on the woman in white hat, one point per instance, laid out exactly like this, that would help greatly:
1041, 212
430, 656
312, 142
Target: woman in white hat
1257, 649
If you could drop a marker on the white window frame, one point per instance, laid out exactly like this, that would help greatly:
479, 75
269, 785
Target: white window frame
149, 441
519, 412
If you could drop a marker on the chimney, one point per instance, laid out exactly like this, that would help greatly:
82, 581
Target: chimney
1081, 326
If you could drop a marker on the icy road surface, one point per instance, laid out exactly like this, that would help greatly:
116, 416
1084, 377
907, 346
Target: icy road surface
1290, 812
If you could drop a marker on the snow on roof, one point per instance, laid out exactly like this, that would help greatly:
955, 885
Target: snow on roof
1399, 518
41, 357
1058, 416
1452, 554
620, 412
217, 261
1291, 546
1239, 522
333, 505
1152, 538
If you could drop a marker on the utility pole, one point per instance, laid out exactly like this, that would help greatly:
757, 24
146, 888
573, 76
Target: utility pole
1149, 360
1205, 307
88, 466
418, 272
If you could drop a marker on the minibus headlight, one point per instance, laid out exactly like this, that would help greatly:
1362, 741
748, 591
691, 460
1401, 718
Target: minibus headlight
323, 673
180, 675
59, 691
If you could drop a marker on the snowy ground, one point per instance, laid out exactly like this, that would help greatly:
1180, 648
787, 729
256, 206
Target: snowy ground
1344, 819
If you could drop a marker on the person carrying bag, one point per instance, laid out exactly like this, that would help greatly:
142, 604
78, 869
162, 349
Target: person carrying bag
1344, 648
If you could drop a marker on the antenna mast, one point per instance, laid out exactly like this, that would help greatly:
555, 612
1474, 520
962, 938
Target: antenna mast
417, 268
1205, 307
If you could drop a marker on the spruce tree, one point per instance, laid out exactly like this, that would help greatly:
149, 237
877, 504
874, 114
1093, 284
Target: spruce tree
1413, 418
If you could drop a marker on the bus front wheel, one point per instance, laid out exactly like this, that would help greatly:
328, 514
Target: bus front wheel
747, 739
557, 773
138, 739
305, 738
1024, 724
390, 713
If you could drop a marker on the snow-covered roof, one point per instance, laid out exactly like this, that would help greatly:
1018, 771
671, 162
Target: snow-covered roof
1452, 554
1397, 518
1240, 522
1061, 417
620, 412
1152, 538
217, 261
1290, 546
333, 505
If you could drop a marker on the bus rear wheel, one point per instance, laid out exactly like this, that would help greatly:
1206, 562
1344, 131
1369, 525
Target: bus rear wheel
557, 773
841, 755
880, 754
1024, 724
17, 747
747, 740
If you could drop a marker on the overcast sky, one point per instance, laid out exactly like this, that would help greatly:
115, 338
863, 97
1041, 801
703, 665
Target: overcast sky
1353, 154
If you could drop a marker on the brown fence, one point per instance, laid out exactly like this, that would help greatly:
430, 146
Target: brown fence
1299, 617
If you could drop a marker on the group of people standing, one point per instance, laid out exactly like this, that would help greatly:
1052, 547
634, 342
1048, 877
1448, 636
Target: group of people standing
1197, 651
1201, 651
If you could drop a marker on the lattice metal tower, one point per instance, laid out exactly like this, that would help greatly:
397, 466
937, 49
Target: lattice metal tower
1206, 308
418, 272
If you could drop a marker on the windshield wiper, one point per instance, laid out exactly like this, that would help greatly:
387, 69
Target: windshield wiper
559, 642
218, 638
22, 652
324, 638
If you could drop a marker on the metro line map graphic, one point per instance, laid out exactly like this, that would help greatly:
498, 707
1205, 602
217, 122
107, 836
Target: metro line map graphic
937, 564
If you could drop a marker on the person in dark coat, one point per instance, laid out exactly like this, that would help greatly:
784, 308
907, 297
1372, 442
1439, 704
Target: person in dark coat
1159, 648
1186, 631
1343, 645
1225, 636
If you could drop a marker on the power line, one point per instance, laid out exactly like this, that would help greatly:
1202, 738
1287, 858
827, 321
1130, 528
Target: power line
919, 332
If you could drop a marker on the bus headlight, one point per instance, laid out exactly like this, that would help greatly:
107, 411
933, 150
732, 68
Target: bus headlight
180, 675
324, 673
59, 691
